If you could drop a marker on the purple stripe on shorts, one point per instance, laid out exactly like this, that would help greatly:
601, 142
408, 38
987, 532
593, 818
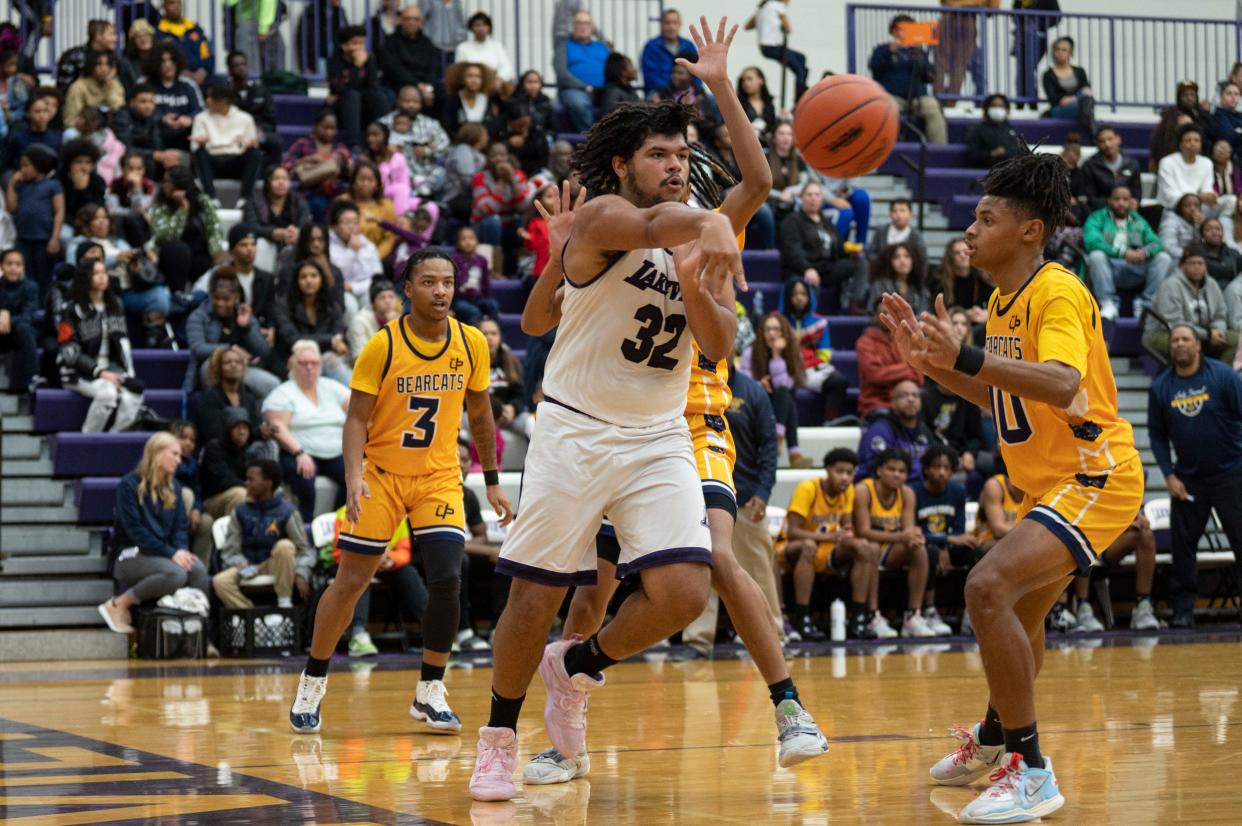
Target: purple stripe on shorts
557, 579
669, 556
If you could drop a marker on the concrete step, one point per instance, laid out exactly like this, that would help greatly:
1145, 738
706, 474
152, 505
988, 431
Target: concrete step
45, 617
24, 446
25, 566
55, 592
9, 404
63, 511
41, 540
67, 644
1133, 381
17, 423
48, 492
26, 467
1132, 400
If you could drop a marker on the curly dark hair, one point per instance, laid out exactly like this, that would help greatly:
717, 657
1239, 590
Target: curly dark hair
1037, 184
621, 133
883, 267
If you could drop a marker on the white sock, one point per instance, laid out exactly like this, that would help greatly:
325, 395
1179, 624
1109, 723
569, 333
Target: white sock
284, 602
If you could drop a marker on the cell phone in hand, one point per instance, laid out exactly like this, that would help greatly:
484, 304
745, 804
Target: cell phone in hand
249, 571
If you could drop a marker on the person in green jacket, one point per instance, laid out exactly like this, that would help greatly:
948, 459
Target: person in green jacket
1123, 251
256, 32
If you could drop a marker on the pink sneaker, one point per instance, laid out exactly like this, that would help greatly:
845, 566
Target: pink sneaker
564, 713
493, 766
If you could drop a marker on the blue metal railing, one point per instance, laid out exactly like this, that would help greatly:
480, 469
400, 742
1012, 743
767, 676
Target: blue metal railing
1130, 61
523, 26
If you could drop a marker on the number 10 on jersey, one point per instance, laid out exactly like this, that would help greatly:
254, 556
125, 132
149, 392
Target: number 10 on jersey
1013, 427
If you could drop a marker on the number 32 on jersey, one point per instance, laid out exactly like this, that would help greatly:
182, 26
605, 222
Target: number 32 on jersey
643, 346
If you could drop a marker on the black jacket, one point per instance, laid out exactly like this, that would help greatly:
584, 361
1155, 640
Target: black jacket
257, 213
293, 324
138, 135
1054, 91
255, 99
1224, 267
753, 426
21, 299
953, 419
80, 336
410, 61
1096, 181
211, 406
223, 465
802, 244
95, 193
984, 137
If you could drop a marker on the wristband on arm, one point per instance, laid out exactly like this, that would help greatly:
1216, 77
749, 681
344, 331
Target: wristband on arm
969, 360
491, 478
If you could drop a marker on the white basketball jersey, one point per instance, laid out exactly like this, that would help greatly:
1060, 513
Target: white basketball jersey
622, 352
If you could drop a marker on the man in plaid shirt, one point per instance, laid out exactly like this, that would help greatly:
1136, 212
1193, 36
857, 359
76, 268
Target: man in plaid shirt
424, 143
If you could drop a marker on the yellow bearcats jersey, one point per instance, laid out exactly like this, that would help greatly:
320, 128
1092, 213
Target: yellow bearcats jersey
883, 518
709, 386
1052, 317
1009, 505
819, 510
420, 389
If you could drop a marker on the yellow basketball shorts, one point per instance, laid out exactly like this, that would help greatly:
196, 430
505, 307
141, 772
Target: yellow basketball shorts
1088, 513
714, 455
432, 501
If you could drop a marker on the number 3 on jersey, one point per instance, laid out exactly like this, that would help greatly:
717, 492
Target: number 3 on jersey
645, 348
424, 427
1012, 425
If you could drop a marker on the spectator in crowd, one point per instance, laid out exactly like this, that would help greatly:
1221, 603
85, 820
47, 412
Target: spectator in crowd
374, 209
266, 536
225, 142
529, 100
19, 301
391, 171
899, 268
384, 22
36, 200
560, 159
92, 126
185, 227
468, 88
82, 185
318, 22
320, 163
150, 553
500, 194
681, 88
884, 515
619, 77
198, 526
659, 53
253, 98
904, 72
810, 246
14, 90
810, 328
1067, 89
1226, 184
445, 25
93, 224
258, 286
312, 245
962, 284
940, 513
1226, 121
535, 240
409, 58
880, 366
1179, 227
38, 128
957, 423
177, 100
789, 174
200, 59
1189, 298
98, 86
999, 504
225, 388
1107, 169
1123, 252
753, 92
465, 160
306, 416
1166, 137
819, 532
899, 425
580, 71
994, 140
352, 252
310, 312
141, 129
1195, 408
385, 307
506, 378
472, 298
771, 23
138, 45
274, 212
424, 145
227, 322
898, 231
94, 352
959, 34
256, 31
1224, 263
1030, 43
485, 50
775, 361
354, 88
71, 65
1186, 171
1141, 541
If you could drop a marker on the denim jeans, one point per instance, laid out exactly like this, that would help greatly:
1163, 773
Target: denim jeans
138, 302
858, 213
580, 106
1107, 274
794, 61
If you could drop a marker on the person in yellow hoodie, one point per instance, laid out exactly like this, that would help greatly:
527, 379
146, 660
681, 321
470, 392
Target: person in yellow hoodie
200, 58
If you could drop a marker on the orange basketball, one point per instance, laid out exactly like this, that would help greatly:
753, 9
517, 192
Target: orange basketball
846, 126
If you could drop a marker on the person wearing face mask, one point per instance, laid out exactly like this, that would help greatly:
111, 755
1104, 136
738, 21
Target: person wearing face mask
994, 140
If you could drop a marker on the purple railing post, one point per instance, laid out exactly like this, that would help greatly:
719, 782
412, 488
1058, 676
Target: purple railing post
850, 46
1112, 54
517, 39
983, 57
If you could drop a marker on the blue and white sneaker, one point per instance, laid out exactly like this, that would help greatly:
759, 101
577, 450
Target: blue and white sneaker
431, 708
551, 767
1018, 794
304, 716
799, 736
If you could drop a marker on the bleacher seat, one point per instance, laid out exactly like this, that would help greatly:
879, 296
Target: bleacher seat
762, 265
95, 498
510, 295
57, 410
161, 368
96, 454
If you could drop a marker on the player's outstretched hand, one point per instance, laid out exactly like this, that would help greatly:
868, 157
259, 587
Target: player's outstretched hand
898, 318
500, 503
355, 492
561, 221
712, 65
943, 345
715, 256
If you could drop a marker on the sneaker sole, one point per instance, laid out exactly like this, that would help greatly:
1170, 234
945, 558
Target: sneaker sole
111, 623
583, 770
1041, 809
433, 726
314, 730
493, 796
792, 758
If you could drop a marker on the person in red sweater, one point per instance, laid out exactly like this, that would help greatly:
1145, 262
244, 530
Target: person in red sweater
535, 235
880, 366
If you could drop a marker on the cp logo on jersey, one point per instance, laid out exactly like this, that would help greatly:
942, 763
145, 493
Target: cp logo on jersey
1014, 323
455, 363
444, 511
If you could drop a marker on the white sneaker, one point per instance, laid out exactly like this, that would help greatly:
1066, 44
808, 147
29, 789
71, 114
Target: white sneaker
1018, 794
932, 617
304, 715
883, 631
970, 761
1085, 621
549, 767
916, 626
1108, 311
431, 707
467, 640
968, 630
800, 737
1144, 618
1062, 620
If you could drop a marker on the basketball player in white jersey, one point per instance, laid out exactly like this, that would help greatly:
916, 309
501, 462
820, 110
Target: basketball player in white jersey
610, 435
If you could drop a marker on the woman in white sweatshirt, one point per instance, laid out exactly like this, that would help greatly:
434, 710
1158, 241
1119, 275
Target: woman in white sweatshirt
485, 49
1187, 171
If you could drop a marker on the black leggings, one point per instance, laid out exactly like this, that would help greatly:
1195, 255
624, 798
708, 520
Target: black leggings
443, 561
786, 409
304, 489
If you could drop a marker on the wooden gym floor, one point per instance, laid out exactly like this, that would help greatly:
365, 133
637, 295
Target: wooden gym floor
1141, 731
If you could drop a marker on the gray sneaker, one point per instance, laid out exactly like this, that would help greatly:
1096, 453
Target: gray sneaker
550, 767
1144, 618
799, 736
